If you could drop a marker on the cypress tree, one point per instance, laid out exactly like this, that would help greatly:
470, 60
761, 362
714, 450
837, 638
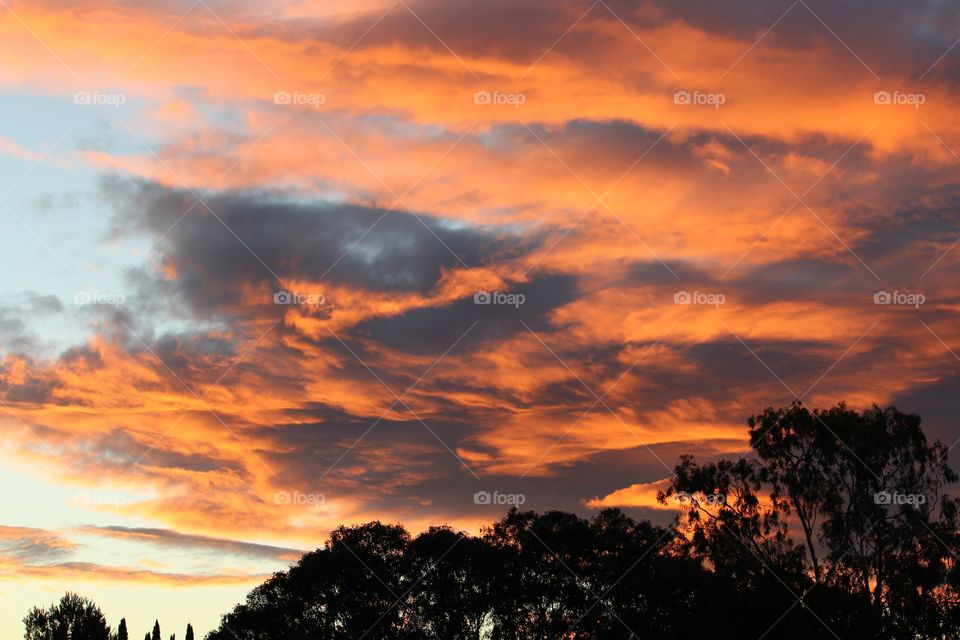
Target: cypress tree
156, 630
122, 630
189, 631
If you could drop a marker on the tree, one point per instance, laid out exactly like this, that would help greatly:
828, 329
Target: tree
72, 618
791, 443
528, 576
189, 635
537, 592
866, 490
156, 630
452, 587
886, 522
348, 588
642, 577
122, 630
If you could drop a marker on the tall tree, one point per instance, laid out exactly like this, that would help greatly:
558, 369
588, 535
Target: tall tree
156, 630
452, 588
189, 635
867, 491
791, 443
122, 630
887, 520
539, 592
72, 618
349, 588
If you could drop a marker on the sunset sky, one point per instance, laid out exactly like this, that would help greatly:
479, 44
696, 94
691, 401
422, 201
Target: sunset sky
687, 211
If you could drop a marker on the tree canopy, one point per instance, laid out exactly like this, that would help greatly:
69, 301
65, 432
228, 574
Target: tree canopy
72, 618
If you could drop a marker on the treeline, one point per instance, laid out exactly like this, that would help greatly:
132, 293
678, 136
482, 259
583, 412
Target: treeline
835, 526
77, 618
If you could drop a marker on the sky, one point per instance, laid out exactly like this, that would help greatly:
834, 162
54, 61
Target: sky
269, 268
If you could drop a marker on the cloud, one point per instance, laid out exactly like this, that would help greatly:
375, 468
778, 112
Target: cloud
636, 495
249, 240
92, 572
29, 545
18, 314
385, 387
32, 553
187, 542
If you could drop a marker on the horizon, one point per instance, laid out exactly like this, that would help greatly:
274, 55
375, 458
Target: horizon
275, 269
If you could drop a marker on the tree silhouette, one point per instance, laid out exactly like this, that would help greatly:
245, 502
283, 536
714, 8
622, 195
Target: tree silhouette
819, 533
451, 588
866, 491
72, 618
835, 525
528, 576
122, 630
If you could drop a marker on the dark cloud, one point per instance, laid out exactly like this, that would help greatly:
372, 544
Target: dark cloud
434, 330
799, 280
517, 31
890, 36
612, 147
18, 316
119, 449
43, 304
938, 403
336, 452
34, 546
9, 324
181, 352
189, 542
250, 240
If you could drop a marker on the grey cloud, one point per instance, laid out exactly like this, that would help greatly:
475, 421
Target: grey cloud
252, 238
891, 36
34, 546
434, 330
169, 538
